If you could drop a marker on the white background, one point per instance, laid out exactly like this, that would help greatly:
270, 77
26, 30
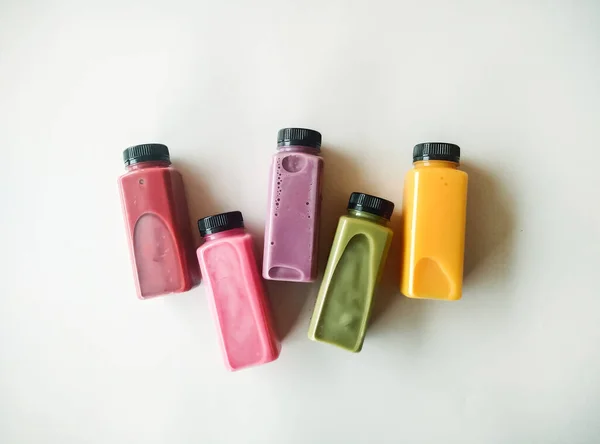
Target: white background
515, 83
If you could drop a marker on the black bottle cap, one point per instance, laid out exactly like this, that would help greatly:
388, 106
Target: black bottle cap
220, 222
371, 204
436, 151
300, 137
146, 153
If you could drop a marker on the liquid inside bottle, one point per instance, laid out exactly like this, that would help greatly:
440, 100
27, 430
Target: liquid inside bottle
355, 264
235, 292
157, 222
292, 228
434, 218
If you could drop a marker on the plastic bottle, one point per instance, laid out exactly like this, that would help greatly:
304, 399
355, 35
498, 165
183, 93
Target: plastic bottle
356, 260
292, 229
235, 291
158, 224
434, 216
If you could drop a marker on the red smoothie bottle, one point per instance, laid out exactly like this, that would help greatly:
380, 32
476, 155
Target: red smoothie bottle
158, 224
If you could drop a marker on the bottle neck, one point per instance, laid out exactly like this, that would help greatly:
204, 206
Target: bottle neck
368, 216
148, 164
299, 149
226, 233
436, 164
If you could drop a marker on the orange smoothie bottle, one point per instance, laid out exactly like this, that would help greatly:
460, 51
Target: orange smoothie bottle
434, 214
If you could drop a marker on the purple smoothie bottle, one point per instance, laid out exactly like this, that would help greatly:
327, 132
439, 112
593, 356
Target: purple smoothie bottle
292, 229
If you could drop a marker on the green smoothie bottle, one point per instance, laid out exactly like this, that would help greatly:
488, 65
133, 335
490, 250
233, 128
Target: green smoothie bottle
355, 264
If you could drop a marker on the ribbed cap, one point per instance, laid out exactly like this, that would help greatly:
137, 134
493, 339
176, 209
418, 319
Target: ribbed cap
300, 137
436, 151
220, 222
371, 204
146, 153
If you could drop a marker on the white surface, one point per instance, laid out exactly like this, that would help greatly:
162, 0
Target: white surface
516, 84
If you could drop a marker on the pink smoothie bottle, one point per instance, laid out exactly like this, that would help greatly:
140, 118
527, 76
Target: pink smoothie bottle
236, 293
292, 229
158, 223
